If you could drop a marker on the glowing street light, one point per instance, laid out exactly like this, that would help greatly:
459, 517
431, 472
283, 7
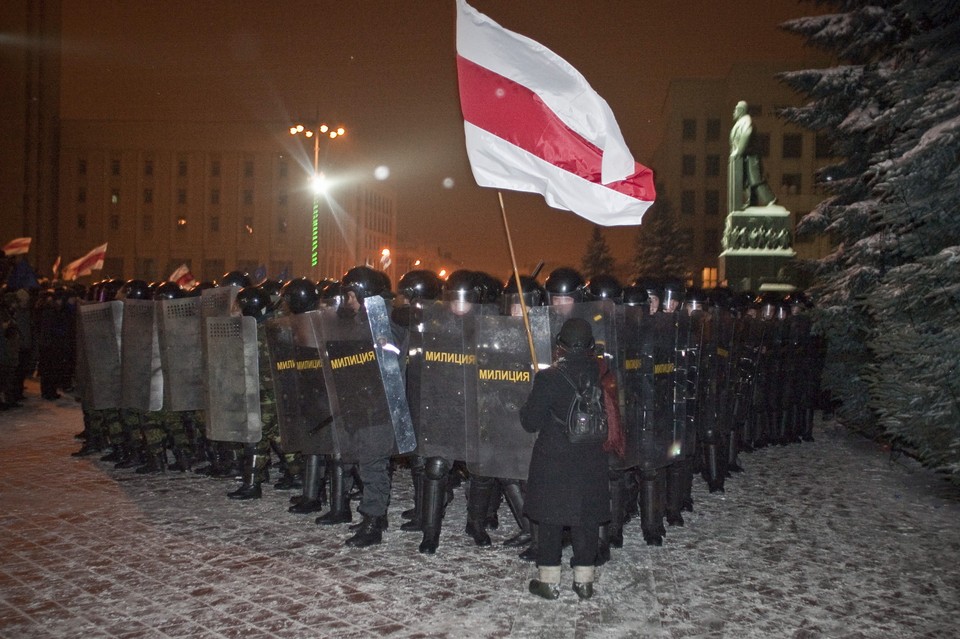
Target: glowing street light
318, 182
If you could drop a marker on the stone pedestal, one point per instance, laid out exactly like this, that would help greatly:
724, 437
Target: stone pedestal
757, 245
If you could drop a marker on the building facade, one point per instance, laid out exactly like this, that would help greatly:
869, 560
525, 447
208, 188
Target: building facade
216, 197
692, 158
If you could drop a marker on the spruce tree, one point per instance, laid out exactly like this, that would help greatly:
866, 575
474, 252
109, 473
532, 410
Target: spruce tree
888, 293
598, 259
660, 249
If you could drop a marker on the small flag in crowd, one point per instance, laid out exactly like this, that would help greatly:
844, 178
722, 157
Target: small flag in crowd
182, 276
534, 124
19, 246
92, 261
56, 267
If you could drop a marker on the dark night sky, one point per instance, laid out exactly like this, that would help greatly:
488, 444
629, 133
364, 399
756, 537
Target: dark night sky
386, 70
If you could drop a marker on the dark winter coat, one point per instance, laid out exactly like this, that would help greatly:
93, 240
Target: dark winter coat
567, 484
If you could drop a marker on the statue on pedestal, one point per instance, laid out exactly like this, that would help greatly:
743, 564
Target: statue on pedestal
747, 185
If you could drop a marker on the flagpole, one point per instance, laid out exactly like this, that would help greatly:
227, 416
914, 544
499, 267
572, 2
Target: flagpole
516, 275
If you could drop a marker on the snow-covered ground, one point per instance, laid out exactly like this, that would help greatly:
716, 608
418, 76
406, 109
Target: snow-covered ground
825, 539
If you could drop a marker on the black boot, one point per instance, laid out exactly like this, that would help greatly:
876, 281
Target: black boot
615, 527
312, 500
651, 518
369, 533
415, 515
154, 462
478, 497
514, 497
434, 501
530, 553
339, 505
674, 504
253, 478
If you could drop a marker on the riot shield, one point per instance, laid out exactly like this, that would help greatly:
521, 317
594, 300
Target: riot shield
303, 410
233, 380
500, 447
601, 315
141, 375
662, 434
361, 367
692, 331
217, 302
634, 370
99, 339
181, 353
447, 379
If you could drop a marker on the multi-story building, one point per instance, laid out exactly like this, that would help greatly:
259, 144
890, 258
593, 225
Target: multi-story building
216, 197
691, 161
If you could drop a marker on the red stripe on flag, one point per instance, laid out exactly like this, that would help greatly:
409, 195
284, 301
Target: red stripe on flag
517, 115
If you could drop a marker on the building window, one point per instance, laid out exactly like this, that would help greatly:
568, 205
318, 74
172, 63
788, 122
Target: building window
215, 168
114, 167
115, 196
114, 222
711, 202
792, 145
182, 168
822, 147
248, 169
688, 202
148, 196
181, 222
81, 221
145, 268
689, 165
713, 129
147, 224
81, 195
248, 225
282, 224
709, 276
282, 199
148, 167
81, 167
711, 242
181, 196
791, 183
247, 197
689, 129
214, 223
215, 196
282, 169
686, 241
712, 166
763, 143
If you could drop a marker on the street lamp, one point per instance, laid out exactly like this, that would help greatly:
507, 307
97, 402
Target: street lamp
318, 182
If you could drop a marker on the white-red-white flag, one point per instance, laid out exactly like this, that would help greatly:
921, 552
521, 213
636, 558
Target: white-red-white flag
534, 124
182, 276
90, 262
19, 246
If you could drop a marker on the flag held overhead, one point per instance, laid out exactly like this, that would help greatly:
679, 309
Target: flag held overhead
532, 123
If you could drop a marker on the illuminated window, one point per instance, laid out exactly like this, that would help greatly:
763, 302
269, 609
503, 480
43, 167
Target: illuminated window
709, 276
248, 225
181, 222
115, 196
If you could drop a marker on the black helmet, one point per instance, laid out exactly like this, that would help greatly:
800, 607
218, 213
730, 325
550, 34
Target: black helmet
695, 299
533, 293
253, 301
564, 282
768, 303
135, 290
329, 292
490, 288
168, 291
799, 299
235, 278
365, 282
271, 288
300, 295
605, 287
673, 291
108, 289
462, 286
634, 295
420, 284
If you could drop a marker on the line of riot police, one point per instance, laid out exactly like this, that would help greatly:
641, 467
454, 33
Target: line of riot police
339, 380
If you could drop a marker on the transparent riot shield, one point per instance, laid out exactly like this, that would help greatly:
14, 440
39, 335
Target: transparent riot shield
181, 353
141, 374
634, 367
692, 330
217, 302
662, 435
303, 410
447, 379
99, 340
361, 367
602, 317
500, 447
233, 380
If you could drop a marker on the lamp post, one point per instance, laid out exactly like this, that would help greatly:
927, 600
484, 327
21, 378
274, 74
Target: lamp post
317, 181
